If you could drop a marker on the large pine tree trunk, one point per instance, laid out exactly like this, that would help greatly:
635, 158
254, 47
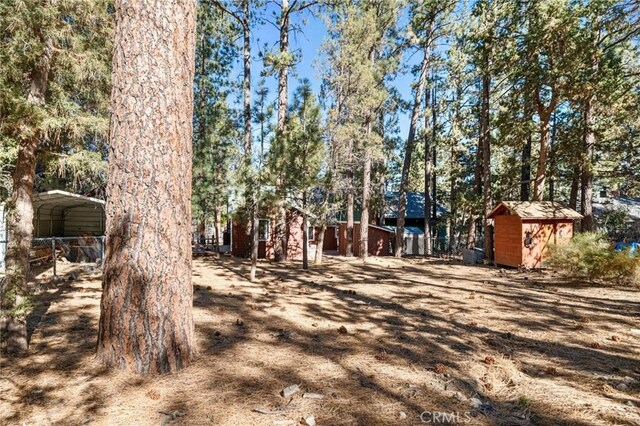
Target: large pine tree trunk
350, 206
525, 169
427, 181
283, 87
408, 152
14, 298
573, 192
323, 227
320, 243
146, 321
305, 233
477, 186
541, 172
486, 158
366, 193
589, 141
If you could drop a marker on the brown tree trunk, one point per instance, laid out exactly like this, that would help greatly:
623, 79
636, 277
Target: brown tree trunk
552, 159
525, 169
541, 172
427, 181
320, 243
146, 321
283, 87
255, 242
350, 203
589, 141
323, 226
408, 152
14, 295
305, 232
573, 194
366, 192
485, 135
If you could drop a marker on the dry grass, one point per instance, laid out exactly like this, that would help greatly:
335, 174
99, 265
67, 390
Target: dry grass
377, 339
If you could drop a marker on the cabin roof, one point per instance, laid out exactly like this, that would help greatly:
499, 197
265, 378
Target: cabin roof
535, 210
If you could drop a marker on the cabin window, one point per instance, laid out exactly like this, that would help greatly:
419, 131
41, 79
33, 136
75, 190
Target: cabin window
264, 229
311, 235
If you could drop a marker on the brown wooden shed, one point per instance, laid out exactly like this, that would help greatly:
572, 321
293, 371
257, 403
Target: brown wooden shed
379, 243
524, 230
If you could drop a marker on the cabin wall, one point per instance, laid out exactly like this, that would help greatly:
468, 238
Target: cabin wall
543, 233
508, 240
330, 241
241, 241
379, 241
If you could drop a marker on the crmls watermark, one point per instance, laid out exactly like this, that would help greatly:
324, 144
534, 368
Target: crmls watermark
445, 418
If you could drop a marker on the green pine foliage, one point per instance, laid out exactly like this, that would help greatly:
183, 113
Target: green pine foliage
74, 117
216, 132
591, 256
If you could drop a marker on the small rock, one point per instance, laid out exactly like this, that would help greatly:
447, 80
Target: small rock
630, 404
309, 420
313, 395
475, 402
460, 397
343, 330
290, 390
622, 387
615, 338
403, 415
628, 380
239, 322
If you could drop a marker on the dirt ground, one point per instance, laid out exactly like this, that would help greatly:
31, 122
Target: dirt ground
385, 342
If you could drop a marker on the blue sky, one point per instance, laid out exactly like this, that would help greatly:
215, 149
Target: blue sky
307, 44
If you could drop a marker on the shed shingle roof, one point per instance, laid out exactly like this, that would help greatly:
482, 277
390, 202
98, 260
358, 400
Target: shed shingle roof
536, 210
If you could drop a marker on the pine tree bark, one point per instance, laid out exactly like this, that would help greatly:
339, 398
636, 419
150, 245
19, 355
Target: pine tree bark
350, 206
589, 140
477, 185
573, 194
525, 169
408, 152
305, 233
146, 321
485, 134
544, 114
280, 248
14, 295
427, 181
366, 195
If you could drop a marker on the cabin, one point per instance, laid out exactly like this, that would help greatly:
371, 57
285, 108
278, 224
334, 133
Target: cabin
241, 236
63, 215
523, 231
380, 241
414, 212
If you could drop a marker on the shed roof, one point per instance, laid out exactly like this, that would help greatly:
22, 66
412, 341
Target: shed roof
536, 210
63, 199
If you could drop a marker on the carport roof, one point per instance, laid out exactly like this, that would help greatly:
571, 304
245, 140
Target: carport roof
63, 199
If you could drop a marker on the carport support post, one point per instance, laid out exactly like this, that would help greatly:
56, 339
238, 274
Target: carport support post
53, 256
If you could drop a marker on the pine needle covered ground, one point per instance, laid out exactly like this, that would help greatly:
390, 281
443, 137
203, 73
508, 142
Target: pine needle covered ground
382, 342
